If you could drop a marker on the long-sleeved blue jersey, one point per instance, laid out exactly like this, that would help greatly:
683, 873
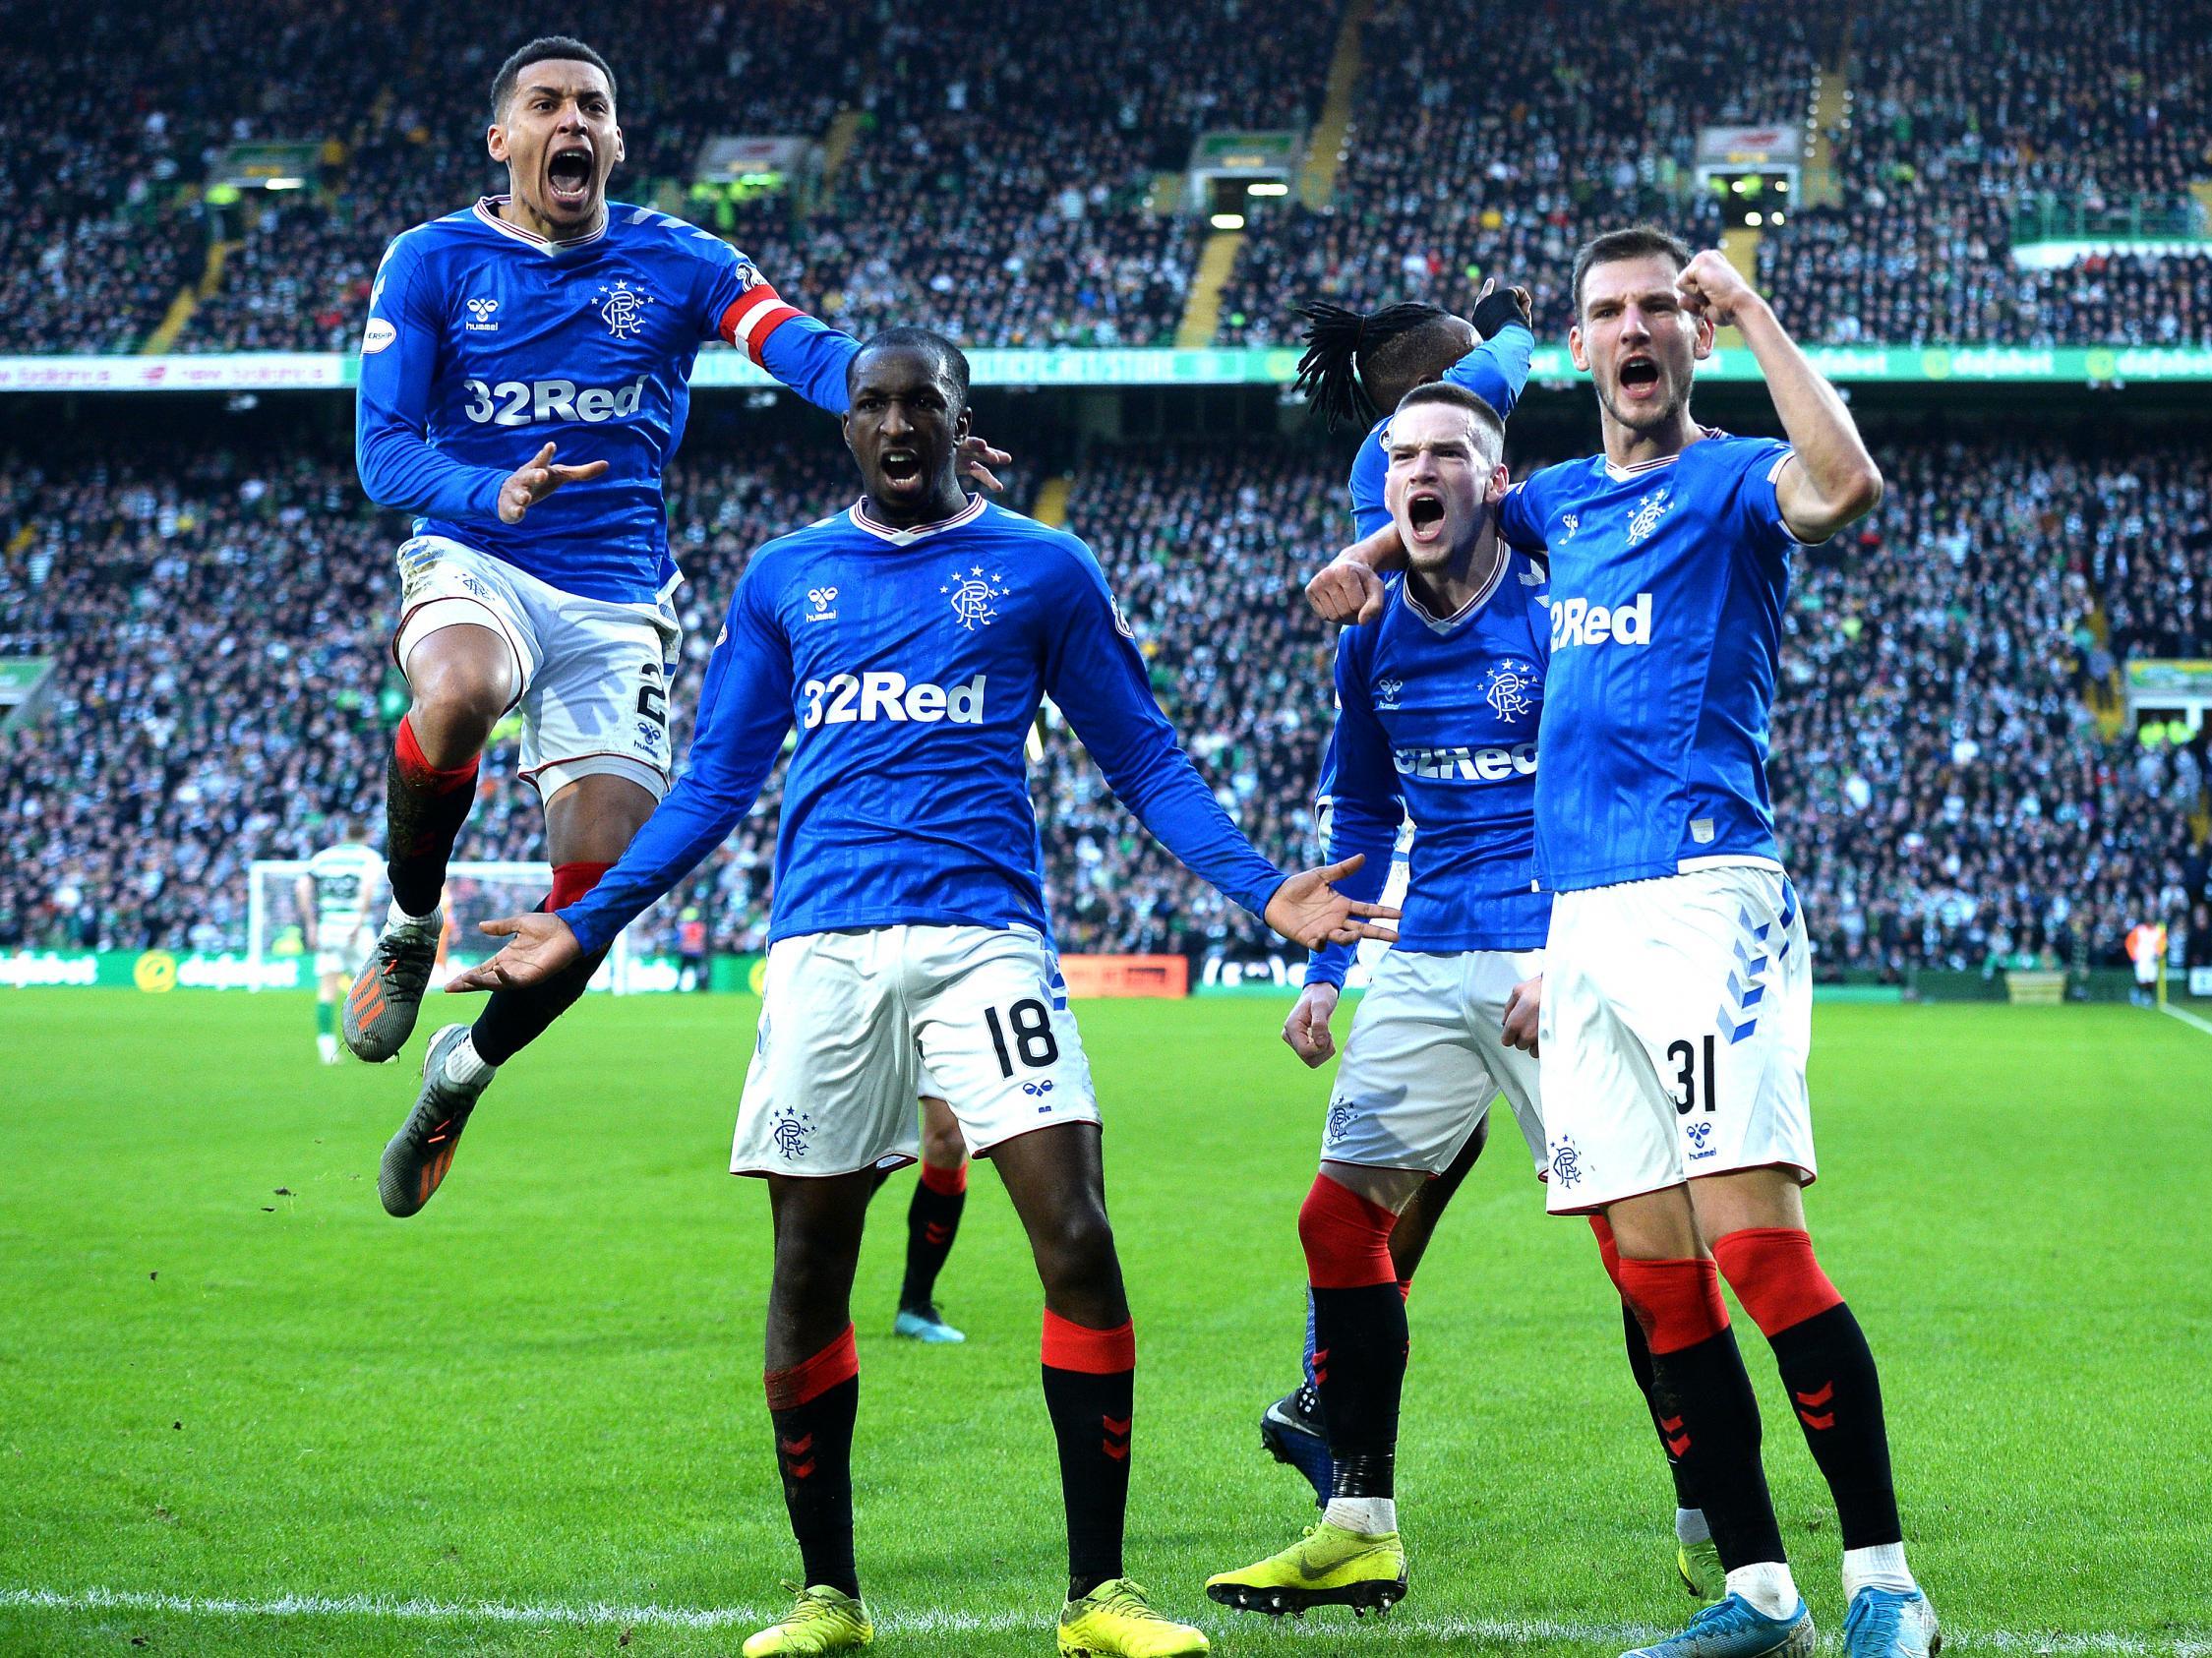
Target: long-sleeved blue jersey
912, 663
1436, 719
1495, 371
1667, 586
484, 342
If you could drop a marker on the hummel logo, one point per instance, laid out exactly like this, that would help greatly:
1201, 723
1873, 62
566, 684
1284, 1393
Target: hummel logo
481, 309
823, 598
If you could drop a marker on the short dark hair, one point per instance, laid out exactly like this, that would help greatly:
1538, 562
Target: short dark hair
1636, 241
950, 358
545, 48
1349, 353
1458, 398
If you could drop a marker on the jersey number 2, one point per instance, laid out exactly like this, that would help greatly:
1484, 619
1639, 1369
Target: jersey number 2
1033, 1036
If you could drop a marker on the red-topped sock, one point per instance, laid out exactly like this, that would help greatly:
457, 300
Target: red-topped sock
512, 1020
932, 1222
425, 807
1706, 1412
1360, 1346
1828, 1370
812, 1405
1090, 1385
1640, 1356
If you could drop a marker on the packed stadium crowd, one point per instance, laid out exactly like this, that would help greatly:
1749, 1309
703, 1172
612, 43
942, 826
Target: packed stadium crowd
1012, 197
219, 620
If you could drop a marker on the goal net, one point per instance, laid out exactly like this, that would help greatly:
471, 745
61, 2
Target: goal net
277, 929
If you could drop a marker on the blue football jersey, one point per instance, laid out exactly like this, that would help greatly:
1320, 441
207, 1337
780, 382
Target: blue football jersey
1667, 585
1437, 721
1495, 371
484, 342
912, 663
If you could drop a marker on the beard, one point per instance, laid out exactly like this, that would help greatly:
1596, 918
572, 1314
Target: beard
1645, 417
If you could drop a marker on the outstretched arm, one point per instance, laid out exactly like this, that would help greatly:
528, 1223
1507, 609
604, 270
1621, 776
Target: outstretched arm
1833, 481
1096, 674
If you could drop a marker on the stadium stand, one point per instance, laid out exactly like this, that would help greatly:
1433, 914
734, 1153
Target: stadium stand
1003, 194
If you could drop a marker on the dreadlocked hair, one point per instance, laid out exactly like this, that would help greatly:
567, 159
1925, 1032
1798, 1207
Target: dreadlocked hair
1343, 347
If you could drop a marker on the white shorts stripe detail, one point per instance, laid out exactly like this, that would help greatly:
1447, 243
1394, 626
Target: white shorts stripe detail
1514, 1632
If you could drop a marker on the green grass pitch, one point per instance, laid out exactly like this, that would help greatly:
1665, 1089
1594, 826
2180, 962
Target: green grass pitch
243, 1411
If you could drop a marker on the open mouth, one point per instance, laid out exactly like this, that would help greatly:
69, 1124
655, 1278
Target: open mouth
567, 175
901, 467
1640, 376
1424, 510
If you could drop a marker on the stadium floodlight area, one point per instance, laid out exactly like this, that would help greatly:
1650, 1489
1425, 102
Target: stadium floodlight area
475, 892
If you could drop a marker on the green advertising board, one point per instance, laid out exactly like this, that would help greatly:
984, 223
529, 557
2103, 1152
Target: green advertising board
280, 370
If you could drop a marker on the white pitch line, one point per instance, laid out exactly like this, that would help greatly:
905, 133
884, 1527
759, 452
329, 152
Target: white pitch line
2187, 1017
1511, 1632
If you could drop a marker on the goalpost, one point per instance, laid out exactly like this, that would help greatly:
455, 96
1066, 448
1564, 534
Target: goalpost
475, 892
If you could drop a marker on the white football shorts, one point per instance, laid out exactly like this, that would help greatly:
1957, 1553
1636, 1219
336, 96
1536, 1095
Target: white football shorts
591, 676
1677, 1019
854, 1025
1426, 1057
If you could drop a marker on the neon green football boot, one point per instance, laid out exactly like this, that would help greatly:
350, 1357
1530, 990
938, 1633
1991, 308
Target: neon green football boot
1327, 1567
1115, 1620
823, 1619
1699, 1566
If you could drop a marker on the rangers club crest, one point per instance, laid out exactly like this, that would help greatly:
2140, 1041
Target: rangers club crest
975, 596
623, 310
1566, 1163
789, 1130
1510, 689
1649, 512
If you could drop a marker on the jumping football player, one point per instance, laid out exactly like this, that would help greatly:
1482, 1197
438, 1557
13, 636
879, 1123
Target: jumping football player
1357, 364
337, 896
1677, 1009
545, 321
909, 933
1438, 702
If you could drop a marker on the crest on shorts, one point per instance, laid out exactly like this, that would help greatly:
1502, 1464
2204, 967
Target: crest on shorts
624, 309
788, 1131
1511, 689
1340, 1116
974, 595
1566, 1163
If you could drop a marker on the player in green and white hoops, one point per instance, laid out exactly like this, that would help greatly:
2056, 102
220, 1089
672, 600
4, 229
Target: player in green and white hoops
337, 909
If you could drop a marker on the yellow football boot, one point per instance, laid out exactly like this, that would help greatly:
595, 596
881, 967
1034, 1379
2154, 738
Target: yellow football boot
1327, 1567
1699, 1566
823, 1619
1113, 1621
